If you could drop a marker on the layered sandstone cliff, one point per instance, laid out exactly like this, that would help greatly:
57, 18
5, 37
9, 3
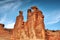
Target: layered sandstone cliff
32, 29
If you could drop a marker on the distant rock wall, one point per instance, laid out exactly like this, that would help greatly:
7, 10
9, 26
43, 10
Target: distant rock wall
4, 33
53, 35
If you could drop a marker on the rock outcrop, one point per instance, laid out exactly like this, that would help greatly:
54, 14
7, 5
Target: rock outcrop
32, 29
53, 35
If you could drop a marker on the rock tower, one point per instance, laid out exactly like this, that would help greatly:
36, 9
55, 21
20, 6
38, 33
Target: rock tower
32, 29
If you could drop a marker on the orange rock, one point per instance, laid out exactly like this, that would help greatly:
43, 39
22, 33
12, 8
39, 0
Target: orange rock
32, 29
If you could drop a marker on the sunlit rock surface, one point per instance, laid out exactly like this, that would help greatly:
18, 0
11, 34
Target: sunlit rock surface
32, 29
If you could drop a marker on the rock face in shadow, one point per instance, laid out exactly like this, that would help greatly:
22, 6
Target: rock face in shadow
32, 29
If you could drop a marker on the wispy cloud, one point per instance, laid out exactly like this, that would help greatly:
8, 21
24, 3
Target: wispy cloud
8, 8
3, 19
9, 5
9, 24
53, 17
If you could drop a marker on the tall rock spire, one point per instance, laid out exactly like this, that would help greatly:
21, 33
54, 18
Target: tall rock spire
18, 26
29, 13
19, 20
21, 15
39, 23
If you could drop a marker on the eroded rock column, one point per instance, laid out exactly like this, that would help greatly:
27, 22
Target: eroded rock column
18, 27
39, 23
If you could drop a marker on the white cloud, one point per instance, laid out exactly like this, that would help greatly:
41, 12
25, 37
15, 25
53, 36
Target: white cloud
7, 7
54, 21
10, 6
2, 20
9, 24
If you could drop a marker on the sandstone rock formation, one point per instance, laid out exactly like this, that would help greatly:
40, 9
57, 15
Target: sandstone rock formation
4, 33
32, 29
53, 35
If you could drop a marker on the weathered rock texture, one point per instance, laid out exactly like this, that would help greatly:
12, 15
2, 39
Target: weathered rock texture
53, 35
32, 29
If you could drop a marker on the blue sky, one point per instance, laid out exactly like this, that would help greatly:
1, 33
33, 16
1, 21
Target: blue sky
9, 9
